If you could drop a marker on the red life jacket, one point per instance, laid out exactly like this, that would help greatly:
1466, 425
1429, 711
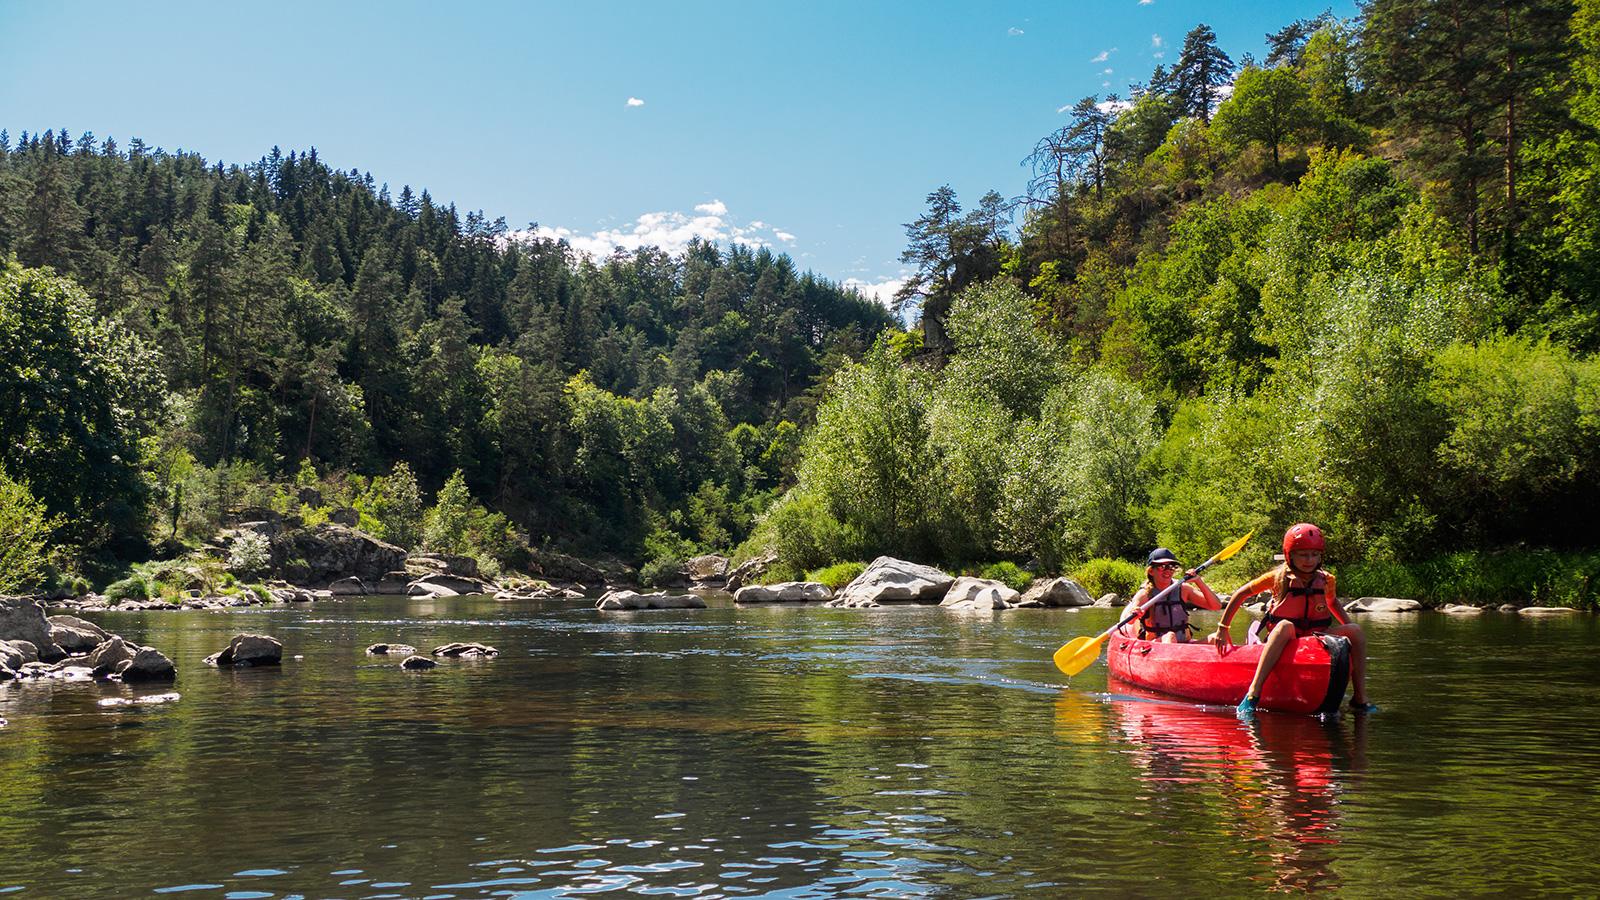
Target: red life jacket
1305, 602
1171, 614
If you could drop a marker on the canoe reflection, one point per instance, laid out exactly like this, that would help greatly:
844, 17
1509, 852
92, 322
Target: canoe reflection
1279, 777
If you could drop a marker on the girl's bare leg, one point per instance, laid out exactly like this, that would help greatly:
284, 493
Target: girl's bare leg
1282, 636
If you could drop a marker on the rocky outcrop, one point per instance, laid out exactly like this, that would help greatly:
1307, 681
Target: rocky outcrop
890, 580
1385, 605
417, 663
75, 635
620, 600
1055, 592
747, 571
247, 650
392, 583
329, 552
419, 564
784, 592
466, 651
348, 587
553, 566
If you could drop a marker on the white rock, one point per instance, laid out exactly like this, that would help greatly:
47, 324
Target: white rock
890, 580
967, 592
784, 592
1388, 605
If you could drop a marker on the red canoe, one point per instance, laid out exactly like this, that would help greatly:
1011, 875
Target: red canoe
1310, 677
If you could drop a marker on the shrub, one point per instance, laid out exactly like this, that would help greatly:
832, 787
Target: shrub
1009, 573
661, 571
133, 587
251, 554
1109, 576
837, 575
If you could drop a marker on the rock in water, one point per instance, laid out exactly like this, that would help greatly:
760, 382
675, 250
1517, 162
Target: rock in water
248, 650
1387, 605
784, 592
971, 593
148, 665
615, 600
890, 580
1055, 592
466, 651
417, 663
386, 649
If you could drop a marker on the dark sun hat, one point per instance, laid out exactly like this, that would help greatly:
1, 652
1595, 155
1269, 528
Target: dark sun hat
1160, 555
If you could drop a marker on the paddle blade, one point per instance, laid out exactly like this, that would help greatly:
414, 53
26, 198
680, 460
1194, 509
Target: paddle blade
1235, 547
1076, 655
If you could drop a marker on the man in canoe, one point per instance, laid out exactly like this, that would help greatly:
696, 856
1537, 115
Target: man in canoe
1304, 601
1168, 620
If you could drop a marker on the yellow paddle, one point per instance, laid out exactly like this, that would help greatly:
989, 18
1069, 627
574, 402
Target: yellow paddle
1076, 655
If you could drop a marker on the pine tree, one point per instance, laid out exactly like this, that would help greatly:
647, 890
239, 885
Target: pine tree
1202, 69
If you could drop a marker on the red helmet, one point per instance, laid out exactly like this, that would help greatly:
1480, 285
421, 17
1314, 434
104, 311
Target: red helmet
1304, 536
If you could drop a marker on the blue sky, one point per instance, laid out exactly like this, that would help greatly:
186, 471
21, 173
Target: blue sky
817, 128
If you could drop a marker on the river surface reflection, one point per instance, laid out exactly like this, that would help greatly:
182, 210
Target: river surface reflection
787, 752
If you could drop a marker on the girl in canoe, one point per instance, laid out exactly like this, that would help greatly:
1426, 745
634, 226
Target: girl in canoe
1169, 620
1304, 601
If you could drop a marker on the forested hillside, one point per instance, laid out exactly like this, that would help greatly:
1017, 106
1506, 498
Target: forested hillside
1354, 282
222, 336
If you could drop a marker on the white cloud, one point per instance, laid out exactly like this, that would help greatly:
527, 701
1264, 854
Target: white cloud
881, 291
1158, 45
1113, 106
1146, 2
1104, 55
670, 230
635, 101
1106, 72
1062, 109
1014, 31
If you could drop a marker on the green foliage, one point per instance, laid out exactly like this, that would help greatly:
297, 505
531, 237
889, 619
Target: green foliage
392, 509
662, 571
1008, 573
134, 587
837, 575
1109, 576
1518, 577
1267, 106
73, 389
25, 529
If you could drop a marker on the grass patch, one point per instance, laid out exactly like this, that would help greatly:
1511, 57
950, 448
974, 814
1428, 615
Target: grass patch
1008, 573
837, 575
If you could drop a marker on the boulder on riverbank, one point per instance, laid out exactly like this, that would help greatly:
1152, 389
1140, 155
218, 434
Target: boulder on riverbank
707, 571
889, 580
1541, 611
1108, 601
978, 595
625, 600
348, 587
23, 619
1385, 605
1461, 609
247, 650
784, 592
1055, 592
448, 586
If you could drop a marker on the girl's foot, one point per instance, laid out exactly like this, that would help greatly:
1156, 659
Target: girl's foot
1246, 707
1361, 706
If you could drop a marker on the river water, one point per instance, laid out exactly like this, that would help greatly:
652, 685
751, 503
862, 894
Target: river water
788, 752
